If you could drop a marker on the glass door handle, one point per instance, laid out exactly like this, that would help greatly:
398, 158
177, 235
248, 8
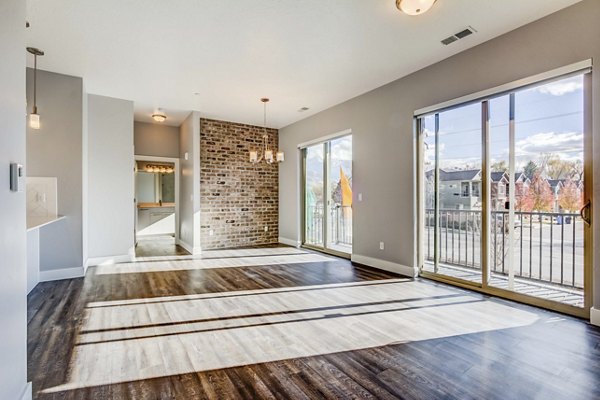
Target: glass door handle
585, 213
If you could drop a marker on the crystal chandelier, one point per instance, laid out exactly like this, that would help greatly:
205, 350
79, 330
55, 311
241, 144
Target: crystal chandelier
266, 153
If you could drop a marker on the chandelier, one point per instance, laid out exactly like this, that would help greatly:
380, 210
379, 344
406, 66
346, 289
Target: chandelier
266, 153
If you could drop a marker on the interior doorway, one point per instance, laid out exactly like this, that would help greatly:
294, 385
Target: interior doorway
157, 207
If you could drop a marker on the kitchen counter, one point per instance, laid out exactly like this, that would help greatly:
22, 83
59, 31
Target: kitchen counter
38, 222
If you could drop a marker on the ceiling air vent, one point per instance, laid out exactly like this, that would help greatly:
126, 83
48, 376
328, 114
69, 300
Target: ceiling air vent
460, 35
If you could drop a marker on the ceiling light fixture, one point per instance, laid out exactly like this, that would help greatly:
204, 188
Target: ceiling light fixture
159, 115
267, 153
163, 169
34, 117
414, 7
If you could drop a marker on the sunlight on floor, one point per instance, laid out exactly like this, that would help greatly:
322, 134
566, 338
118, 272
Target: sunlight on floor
137, 339
208, 263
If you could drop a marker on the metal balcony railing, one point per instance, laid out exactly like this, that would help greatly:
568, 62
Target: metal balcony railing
339, 221
547, 247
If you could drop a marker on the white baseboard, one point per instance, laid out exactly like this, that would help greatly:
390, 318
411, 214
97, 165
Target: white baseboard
289, 242
92, 262
385, 265
595, 316
27, 392
58, 274
189, 248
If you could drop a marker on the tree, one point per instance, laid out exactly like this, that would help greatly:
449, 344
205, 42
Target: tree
569, 198
538, 196
557, 168
577, 174
530, 169
499, 166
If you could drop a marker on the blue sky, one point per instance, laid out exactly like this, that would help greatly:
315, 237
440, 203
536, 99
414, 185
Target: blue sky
548, 118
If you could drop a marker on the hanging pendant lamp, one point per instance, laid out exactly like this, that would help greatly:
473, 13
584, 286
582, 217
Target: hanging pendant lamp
34, 117
267, 153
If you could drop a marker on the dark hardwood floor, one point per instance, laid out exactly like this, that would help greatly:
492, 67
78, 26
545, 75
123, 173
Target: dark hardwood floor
284, 323
158, 246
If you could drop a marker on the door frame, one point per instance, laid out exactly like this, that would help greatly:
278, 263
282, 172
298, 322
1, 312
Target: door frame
175, 161
583, 68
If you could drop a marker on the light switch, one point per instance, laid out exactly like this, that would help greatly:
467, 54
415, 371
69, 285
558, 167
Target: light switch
360, 197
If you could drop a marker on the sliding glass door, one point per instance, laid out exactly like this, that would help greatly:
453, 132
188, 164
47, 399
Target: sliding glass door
328, 195
452, 177
504, 194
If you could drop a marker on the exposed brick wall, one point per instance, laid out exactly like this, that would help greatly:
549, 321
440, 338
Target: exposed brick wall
237, 198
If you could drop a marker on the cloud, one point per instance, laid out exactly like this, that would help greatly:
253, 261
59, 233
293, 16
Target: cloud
562, 87
550, 142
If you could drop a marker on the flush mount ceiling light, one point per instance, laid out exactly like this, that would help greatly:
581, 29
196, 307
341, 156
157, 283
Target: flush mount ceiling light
267, 153
414, 7
34, 117
159, 115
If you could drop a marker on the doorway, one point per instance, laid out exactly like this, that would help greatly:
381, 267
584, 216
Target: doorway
327, 196
157, 207
505, 197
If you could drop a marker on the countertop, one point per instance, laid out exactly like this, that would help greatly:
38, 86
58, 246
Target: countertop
155, 205
38, 222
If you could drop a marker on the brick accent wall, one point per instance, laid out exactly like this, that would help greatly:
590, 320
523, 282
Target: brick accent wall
237, 198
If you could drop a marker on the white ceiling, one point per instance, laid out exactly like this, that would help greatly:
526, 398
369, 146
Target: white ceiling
313, 53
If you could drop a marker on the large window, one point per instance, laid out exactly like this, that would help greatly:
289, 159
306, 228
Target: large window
518, 159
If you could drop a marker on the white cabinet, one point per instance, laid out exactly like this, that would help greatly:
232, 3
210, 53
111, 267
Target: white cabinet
156, 221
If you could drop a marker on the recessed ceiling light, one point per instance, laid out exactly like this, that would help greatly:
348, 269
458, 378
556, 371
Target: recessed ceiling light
302, 109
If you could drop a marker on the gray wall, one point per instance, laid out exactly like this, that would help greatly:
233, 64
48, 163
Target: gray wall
382, 125
156, 140
110, 179
13, 287
189, 187
56, 150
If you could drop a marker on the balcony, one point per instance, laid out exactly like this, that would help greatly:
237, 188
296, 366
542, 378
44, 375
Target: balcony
339, 227
548, 251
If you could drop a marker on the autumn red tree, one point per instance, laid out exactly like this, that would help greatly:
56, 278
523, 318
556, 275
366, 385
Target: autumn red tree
569, 198
538, 196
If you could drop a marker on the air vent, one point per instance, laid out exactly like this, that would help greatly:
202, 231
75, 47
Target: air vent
460, 35
449, 40
464, 33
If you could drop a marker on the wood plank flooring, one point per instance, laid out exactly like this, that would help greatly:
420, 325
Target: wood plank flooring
279, 322
158, 246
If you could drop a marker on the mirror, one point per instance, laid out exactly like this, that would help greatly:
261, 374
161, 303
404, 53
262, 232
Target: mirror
155, 183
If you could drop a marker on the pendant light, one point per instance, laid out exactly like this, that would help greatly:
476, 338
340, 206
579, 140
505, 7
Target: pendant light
414, 7
34, 117
267, 153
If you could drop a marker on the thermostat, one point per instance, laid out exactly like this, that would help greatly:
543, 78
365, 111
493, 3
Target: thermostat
17, 177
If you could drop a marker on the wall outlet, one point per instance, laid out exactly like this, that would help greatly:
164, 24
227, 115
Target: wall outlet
211, 232
381, 246
266, 228
360, 197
